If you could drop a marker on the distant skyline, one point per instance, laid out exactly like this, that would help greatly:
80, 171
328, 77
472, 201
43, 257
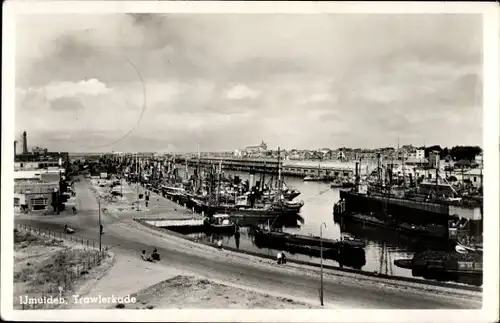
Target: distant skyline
229, 81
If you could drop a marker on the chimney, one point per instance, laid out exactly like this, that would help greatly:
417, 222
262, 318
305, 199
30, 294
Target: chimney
15, 148
25, 144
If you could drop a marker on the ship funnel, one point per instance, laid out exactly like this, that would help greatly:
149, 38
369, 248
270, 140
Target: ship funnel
25, 143
357, 171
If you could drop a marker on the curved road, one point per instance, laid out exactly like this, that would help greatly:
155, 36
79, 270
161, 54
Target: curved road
126, 236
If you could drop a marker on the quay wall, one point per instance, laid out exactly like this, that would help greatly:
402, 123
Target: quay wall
413, 212
405, 209
450, 285
289, 168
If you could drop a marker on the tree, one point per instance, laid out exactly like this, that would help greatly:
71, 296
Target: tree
465, 152
432, 148
444, 153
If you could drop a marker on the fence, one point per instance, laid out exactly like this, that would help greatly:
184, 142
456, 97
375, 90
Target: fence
55, 281
46, 233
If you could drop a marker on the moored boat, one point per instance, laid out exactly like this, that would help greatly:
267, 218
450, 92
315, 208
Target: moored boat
355, 258
219, 223
177, 194
458, 266
430, 230
282, 238
290, 194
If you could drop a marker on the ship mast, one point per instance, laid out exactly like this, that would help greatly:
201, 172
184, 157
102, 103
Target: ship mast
279, 173
197, 178
263, 177
218, 182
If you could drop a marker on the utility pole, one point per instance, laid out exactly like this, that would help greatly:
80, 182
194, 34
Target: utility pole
321, 259
137, 176
100, 225
280, 186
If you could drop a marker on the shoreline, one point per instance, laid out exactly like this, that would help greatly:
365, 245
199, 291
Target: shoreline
451, 285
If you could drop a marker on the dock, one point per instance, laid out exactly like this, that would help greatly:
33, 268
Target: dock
181, 225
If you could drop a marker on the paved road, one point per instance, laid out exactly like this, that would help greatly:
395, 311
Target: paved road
126, 236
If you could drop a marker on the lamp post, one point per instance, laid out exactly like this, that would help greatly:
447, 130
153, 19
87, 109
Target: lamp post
100, 225
321, 259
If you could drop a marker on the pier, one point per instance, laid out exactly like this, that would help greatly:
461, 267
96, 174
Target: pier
181, 225
270, 166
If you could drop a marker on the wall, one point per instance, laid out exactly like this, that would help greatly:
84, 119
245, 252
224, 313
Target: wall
21, 199
22, 187
31, 201
26, 165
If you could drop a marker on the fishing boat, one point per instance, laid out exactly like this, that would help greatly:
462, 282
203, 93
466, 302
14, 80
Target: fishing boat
431, 230
355, 258
337, 183
425, 203
458, 266
287, 206
219, 223
475, 249
291, 193
177, 194
281, 238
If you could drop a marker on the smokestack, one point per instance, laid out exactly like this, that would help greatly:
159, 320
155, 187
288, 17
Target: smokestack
25, 143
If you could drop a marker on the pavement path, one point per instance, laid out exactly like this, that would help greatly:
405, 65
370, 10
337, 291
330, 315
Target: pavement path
341, 290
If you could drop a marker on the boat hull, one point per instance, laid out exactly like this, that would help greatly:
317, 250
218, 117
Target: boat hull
400, 209
439, 232
351, 259
444, 270
220, 228
280, 238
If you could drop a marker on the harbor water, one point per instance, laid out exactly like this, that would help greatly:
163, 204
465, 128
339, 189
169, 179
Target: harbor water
382, 246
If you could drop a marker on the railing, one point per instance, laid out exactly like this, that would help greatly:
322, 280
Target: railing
61, 283
86, 243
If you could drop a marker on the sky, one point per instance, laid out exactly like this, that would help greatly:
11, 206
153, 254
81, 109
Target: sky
164, 83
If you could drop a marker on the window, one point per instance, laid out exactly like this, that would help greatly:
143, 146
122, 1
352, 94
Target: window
475, 179
16, 201
39, 201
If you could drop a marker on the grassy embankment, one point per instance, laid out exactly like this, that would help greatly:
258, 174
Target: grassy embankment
43, 265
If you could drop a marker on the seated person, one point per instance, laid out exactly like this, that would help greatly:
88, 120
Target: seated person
144, 256
279, 256
155, 255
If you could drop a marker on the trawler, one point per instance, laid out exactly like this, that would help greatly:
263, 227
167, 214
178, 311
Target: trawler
427, 211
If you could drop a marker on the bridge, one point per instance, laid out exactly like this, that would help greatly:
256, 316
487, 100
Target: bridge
270, 166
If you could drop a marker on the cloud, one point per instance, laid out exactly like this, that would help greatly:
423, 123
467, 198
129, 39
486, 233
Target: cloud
64, 104
241, 91
320, 98
70, 89
234, 80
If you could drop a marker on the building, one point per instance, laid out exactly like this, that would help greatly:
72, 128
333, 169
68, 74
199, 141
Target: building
479, 159
256, 150
418, 154
434, 159
35, 189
